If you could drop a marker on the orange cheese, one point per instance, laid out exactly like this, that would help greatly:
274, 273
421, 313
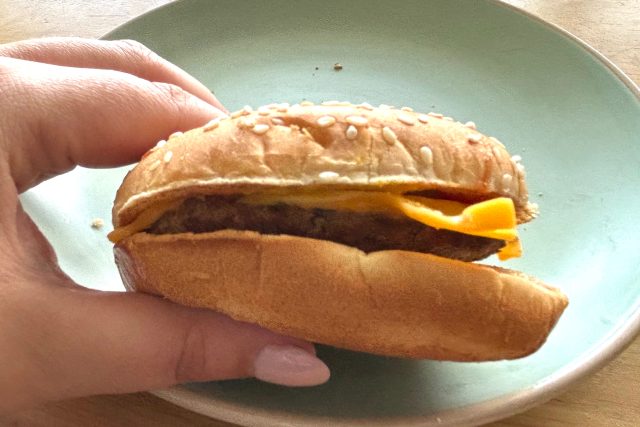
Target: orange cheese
144, 220
495, 218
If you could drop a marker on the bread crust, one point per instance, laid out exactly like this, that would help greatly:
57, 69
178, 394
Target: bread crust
332, 146
393, 303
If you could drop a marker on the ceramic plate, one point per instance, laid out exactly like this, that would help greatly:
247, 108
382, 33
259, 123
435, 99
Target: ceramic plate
573, 117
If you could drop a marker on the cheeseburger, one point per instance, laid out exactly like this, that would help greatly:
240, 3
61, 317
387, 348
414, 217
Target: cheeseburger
341, 224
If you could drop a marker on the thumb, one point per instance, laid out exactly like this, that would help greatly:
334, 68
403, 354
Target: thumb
117, 342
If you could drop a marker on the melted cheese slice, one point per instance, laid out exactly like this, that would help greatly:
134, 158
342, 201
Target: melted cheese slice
144, 220
495, 218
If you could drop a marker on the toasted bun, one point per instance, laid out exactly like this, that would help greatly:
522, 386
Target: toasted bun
333, 146
390, 302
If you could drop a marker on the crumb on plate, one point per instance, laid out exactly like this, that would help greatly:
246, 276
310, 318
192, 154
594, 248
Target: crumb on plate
97, 223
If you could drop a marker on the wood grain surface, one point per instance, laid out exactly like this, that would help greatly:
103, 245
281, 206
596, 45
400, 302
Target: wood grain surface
611, 397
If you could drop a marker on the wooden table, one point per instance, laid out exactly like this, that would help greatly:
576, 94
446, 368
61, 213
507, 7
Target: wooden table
610, 397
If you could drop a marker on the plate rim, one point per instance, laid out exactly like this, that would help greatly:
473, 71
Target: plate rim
479, 413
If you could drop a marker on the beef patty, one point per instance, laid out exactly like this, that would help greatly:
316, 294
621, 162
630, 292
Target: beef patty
366, 231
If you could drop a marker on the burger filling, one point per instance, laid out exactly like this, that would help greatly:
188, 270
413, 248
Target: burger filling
368, 220
368, 231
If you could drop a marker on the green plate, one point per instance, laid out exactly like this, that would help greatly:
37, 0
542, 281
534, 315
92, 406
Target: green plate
569, 112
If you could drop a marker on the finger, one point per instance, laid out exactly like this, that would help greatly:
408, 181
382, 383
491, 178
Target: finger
128, 56
70, 341
29, 247
69, 116
116, 343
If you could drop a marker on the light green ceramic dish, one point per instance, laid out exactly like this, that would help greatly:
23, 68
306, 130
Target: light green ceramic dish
569, 112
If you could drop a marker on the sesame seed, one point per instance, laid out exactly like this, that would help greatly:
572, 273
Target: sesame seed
283, 107
474, 138
97, 223
154, 165
352, 132
211, 125
306, 104
175, 135
328, 175
247, 110
427, 154
516, 158
260, 129
277, 121
520, 169
385, 107
248, 122
357, 120
506, 181
160, 143
436, 115
264, 111
389, 135
337, 66
409, 109
423, 118
449, 119
237, 114
326, 121
407, 119
366, 106
167, 156
470, 125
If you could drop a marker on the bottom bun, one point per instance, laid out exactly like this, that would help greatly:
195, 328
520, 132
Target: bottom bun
393, 303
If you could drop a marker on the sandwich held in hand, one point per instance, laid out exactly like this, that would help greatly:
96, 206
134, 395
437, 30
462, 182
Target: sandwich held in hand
341, 224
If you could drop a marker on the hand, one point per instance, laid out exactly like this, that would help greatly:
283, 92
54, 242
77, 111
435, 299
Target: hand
68, 102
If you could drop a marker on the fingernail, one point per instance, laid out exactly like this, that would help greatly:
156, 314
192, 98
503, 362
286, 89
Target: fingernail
289, 365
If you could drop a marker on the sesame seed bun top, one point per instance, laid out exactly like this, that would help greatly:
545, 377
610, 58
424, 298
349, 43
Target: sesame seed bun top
330, 146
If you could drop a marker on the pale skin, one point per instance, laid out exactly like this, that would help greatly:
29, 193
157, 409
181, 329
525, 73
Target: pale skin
68, 102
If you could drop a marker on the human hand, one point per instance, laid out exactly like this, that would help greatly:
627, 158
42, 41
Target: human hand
68, 102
